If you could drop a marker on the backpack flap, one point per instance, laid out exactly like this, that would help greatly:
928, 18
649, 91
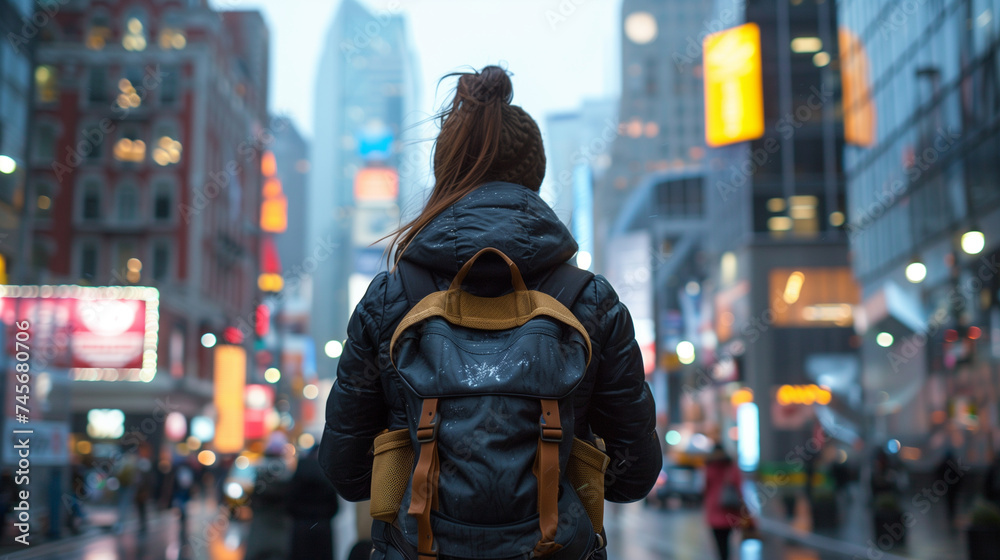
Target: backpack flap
490, 377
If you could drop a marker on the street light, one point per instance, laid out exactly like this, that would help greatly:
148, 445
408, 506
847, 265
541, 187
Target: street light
685, 352
272, 375
334, 348
7, 165
973, 242
884, 339
916, 272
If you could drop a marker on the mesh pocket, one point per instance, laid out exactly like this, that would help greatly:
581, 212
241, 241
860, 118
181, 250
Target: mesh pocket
391, 472
585, 471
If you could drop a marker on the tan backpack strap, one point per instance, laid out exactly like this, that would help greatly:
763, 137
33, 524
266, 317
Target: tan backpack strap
425, 478
547, 472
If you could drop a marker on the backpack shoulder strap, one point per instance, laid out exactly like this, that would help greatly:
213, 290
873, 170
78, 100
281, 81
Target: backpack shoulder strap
417, 282
565, 283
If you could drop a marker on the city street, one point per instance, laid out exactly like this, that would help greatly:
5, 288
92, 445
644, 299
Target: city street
634, 531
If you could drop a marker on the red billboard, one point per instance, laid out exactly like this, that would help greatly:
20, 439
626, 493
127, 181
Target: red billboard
86, 328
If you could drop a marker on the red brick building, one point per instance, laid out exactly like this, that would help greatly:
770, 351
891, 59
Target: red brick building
149, 123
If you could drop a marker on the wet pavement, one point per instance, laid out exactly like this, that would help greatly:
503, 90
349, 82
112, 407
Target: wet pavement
635, 532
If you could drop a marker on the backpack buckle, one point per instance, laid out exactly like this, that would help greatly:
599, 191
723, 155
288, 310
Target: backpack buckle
553, 435
428, 434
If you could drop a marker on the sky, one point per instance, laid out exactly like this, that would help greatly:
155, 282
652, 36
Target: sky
559, 51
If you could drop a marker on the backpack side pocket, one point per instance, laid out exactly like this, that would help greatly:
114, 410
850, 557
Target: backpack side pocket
585, 471
391, 471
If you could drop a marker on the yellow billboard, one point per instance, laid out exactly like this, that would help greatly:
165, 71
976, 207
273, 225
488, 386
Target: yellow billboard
734, 91
230, 379
859, 109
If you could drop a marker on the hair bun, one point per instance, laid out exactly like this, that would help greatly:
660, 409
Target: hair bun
490, 85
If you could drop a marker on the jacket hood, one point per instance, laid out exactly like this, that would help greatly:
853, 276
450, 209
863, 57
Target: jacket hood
509, 217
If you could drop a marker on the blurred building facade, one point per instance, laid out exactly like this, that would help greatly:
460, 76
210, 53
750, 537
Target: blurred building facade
363, 165
15, 89
781, 287
283, 341
150, 121
920, 101
660, 126
573, 139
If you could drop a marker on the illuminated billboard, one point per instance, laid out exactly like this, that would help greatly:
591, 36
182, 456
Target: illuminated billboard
376, 184
734, 91
274, 206
859, 109
230, 380
813, 297
98, 333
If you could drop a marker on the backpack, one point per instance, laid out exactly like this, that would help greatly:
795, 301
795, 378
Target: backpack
484, 469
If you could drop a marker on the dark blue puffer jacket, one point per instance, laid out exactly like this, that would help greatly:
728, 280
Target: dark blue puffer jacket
614, 402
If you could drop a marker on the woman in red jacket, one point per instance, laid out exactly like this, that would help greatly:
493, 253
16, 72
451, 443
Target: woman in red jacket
721, 472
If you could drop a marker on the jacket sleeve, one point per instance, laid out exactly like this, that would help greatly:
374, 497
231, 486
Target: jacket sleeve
621, 408
356, 410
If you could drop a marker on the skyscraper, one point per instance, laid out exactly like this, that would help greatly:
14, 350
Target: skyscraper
920, 101
361, 174
659, 116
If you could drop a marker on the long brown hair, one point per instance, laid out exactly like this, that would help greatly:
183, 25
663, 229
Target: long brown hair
466, 149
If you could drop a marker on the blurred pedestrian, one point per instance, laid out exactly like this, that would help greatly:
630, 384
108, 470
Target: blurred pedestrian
724, 499
178, 489
271, 524
143, 491
951, 496
8, 497
312, 503
78, 492
885, 479
991, 484
127, 478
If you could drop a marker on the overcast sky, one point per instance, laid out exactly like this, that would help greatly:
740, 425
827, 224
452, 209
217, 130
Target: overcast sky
560, 51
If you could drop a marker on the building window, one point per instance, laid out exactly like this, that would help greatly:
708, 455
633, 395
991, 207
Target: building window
172, 38
129, 147
126, 204
88, 261
128, 96
97, 87
91, 201
98, 32
125, 261
161, 261
135, 33
169, 85
45, 142
92, 142
162, 202
167, 149
46, 84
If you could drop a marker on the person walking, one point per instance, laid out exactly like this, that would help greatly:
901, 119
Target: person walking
270, 525
312, 503
723, 499
489, 162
